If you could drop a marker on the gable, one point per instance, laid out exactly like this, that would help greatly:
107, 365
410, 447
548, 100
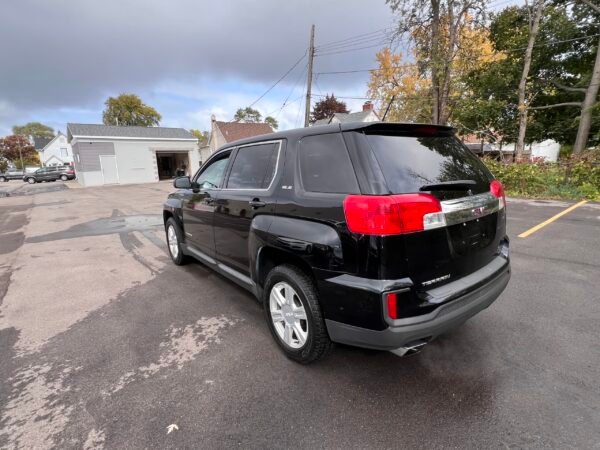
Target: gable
233, 131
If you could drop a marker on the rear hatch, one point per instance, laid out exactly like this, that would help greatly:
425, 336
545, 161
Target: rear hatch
432, 161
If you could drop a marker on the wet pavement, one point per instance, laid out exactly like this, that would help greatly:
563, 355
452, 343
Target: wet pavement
105, 344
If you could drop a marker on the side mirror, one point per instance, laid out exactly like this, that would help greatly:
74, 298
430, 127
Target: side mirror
182, 183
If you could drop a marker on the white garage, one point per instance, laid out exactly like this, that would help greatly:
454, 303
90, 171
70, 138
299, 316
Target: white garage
124, 155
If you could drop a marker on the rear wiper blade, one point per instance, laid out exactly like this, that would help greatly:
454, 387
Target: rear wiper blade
457, 185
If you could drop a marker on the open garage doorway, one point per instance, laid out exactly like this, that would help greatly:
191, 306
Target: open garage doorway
172, 164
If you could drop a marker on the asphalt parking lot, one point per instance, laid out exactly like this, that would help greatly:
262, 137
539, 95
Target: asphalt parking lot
105, 344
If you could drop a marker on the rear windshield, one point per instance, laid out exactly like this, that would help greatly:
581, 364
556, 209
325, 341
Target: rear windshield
409, 164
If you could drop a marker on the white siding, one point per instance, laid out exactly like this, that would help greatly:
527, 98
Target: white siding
136, 159
57, 150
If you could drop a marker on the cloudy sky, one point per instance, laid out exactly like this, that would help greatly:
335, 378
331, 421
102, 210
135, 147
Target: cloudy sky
61, 59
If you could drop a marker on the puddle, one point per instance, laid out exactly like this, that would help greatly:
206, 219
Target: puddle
109, 225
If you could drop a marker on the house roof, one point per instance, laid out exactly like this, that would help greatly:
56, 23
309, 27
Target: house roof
232, 131
358, 116
95, 130
40, 142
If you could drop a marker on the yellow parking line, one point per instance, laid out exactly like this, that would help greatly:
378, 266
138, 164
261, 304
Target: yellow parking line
552, 219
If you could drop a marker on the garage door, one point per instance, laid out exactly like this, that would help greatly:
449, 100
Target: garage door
109, 169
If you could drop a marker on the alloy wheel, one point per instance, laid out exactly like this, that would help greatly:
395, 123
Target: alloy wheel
288, 315
173, 242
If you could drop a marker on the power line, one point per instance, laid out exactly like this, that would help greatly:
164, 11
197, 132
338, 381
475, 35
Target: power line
351, 49
294, 86
278, 81
375, 69
354, 43
400, 66
356, 37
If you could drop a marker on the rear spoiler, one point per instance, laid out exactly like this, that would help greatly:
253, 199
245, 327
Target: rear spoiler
407, 129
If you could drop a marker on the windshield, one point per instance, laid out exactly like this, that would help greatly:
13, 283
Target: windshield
413, 164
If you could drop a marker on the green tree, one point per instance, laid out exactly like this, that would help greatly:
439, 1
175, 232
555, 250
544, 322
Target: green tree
324, 109
34, 129
17, 148
561, 66
129, 110
272, 121
251, 115
202, 136
248, 115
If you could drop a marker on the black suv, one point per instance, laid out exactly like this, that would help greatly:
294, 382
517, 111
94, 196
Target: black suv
376, 235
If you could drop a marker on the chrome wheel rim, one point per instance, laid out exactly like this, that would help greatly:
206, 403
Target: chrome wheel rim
172, 240
288, 315
31, 181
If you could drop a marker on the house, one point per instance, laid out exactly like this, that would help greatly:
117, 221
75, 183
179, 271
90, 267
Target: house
106, 154
224, 132
367, 114
55, 151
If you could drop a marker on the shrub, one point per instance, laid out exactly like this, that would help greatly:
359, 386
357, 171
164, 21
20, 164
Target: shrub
574, 177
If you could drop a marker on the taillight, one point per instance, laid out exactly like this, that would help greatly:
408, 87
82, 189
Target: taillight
392, 305
393, 214
497, 191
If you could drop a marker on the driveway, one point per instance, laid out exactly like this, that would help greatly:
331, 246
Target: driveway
106, 344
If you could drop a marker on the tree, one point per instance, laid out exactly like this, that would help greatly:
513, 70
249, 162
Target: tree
34, 129
434, 26
560, 71
401, 88
203, 137
326, 108
272, 121
18, 149
129, 110
533, 28
591, 93
410, 87
248, 115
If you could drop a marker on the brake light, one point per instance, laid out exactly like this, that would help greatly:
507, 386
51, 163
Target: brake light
392, 305
497, 191
392, 214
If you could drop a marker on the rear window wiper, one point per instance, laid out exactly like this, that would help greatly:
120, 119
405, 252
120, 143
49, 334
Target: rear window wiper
458, 185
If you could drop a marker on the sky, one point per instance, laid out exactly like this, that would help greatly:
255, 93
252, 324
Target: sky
62, 59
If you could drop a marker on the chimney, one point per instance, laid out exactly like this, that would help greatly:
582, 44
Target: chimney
368, 106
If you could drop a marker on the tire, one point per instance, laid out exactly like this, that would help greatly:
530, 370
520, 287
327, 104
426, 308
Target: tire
316, 343
64, 177
3, 179
175, 251
31, 180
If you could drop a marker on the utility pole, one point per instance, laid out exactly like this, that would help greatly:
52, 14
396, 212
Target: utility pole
311, 55
20, 154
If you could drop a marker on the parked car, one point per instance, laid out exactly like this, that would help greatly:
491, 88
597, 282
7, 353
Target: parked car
376, 235
11, 174
43, 174
67, 173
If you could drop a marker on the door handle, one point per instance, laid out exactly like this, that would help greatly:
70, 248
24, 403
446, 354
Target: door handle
256, 203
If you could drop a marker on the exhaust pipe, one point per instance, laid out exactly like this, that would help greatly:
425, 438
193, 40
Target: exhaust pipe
410, 349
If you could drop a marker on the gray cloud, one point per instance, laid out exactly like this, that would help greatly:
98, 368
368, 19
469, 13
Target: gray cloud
73, 53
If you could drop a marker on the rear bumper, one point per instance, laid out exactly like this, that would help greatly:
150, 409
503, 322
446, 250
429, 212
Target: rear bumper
465, 304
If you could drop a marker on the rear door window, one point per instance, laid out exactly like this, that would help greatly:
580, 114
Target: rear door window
410, 163
254, 166
325, 165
